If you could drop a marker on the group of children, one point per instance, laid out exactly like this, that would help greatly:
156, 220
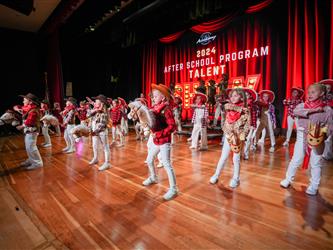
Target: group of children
246, 115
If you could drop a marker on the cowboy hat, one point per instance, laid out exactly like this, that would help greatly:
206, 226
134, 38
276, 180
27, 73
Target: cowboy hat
203, 97
270, 93
163, 89
252, 92
31, 97
102, 98
300, 91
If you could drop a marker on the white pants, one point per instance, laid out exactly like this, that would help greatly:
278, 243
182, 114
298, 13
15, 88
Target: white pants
34, 157
249, 141
298, 158
45, 132
197, 129
290, 123
102, 137
69, 139
124, 125
116, 130
165, 150
328, 152
224, 157
149, 144
218, 113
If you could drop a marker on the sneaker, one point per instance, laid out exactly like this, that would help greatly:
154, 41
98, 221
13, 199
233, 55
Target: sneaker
149, 181
120, 145
233, 183
189, 139
261, 142
245, 157
70, 151
285, 183
192, 147
214, 179
65, 149
42, 144
25, 164
172, 192
271, 149
160, 165
32, 167
311, 190
93, 161
105, 166
48, 145
285, 144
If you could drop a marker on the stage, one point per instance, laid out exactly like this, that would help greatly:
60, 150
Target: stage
74, 205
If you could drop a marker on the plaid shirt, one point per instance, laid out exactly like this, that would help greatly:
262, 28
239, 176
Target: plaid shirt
254, 110
271, 111
69, 115
291, 105
166, 124
204, 119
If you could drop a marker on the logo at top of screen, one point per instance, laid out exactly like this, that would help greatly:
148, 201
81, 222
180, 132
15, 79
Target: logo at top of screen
206, 38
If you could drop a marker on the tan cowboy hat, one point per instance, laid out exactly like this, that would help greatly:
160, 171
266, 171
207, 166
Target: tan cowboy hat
163, 89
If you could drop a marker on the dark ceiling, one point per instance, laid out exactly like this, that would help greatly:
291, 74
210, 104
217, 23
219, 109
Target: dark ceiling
139, 20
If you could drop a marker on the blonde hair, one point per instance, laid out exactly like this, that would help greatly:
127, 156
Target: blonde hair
240, 92
319, 86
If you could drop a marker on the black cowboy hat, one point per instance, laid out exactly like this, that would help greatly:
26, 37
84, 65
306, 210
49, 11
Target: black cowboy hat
102, 98
31, 97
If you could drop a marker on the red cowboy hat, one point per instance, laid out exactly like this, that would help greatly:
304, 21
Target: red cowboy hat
327, 81
271, 94
163, 89
300, 91
252, 92
204, 98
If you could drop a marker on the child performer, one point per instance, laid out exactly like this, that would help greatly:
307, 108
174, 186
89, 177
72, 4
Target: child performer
82, 112
252, 97
124, 122
315, 122
116, 115
45, 110
297, 95
236, 128
267, 116
328, 152
31, 126
68, 123
161, 133
99, 131
56, 112
200, 121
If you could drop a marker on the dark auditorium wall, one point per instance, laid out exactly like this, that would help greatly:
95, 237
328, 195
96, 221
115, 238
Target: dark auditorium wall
21, 69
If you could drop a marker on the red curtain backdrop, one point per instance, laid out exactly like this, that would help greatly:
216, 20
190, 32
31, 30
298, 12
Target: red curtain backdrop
149, 67
54, 69
171, 38
214, 25
310, 43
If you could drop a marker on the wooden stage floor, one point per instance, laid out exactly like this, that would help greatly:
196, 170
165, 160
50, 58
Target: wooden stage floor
87, 209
